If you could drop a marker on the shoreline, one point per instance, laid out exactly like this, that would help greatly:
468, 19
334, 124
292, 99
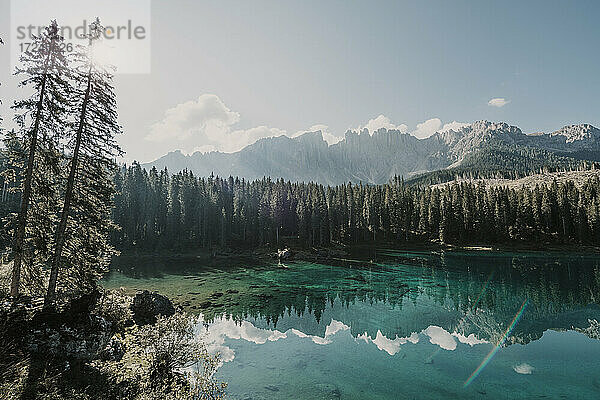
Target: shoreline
343, 252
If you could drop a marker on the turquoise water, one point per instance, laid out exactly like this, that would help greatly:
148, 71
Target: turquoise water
412, 325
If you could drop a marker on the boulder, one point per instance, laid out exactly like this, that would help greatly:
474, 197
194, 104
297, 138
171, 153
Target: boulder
84, 304
147, 306
58, 336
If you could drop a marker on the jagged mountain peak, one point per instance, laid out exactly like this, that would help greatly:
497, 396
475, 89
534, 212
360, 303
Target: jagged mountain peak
380, 131
471, 137
479, 129
577, 132
489, 128
376, 157
311, 137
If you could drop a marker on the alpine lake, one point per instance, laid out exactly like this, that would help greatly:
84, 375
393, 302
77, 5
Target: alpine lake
391, 324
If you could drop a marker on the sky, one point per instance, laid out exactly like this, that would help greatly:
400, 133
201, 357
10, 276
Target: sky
223, 74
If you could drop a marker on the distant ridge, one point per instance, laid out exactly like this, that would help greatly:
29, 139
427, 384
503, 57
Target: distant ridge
376, 158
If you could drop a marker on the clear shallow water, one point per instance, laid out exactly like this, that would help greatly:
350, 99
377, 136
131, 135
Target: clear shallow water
401, 325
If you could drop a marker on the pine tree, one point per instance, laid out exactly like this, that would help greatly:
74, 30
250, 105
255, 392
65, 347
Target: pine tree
41, 119
82, 233
1, 42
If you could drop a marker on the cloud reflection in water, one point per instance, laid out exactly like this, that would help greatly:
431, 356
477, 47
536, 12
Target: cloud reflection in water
215, 333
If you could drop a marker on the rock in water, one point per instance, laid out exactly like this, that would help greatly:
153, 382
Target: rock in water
147, 306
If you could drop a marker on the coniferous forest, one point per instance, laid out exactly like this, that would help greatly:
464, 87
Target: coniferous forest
127, 281
156, 210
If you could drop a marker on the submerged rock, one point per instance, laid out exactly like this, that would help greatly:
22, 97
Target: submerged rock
327, 391
147, 306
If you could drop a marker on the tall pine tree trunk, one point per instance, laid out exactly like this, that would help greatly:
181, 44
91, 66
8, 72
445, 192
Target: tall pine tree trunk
59, 241
26, 195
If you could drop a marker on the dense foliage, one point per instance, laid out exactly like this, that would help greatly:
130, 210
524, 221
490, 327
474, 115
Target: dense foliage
57, 169
57, 190
156, 210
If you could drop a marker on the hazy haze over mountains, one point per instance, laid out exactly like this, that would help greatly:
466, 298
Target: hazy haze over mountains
377, 157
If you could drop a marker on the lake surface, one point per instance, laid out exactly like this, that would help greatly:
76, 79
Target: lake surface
414, 325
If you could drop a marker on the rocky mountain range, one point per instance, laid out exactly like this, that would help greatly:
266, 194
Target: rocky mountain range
378, 156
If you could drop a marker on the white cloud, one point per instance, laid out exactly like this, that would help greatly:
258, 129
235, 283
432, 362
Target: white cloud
453, 126
498, 102
208, 115
431, 126
524, 369
471, 340
390, 346
335, 327
379, 122
249, 136
206, 124
221, 328
393, 346
427, 128
441, 337
217, 331
424, 129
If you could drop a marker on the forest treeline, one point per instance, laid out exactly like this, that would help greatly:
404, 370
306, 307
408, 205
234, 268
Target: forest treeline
156, 210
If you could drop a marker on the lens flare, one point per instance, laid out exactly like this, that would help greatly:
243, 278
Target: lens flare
502, 340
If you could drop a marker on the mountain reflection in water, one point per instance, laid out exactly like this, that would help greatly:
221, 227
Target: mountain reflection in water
468, 293
443, 310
